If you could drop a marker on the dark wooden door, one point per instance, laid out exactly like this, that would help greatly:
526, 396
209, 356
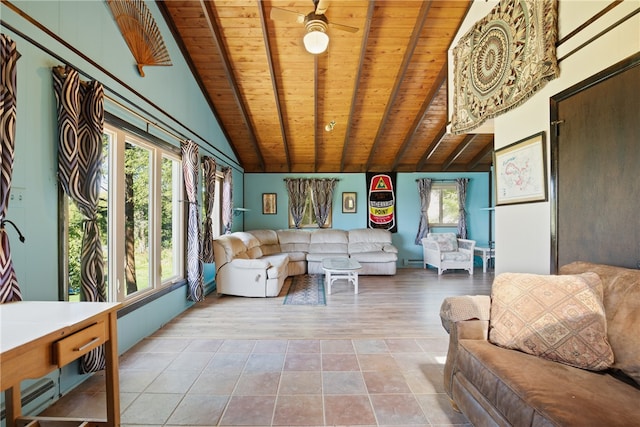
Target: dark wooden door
597, 171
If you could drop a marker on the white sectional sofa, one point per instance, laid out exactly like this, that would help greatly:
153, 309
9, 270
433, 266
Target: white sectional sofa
256, 263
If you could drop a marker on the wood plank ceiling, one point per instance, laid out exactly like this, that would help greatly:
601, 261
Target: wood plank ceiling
384, 86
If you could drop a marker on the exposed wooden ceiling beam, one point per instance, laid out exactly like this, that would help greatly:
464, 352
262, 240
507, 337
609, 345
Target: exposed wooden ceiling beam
432, 148
196, 75
234, 73
406, 60
466, 142
357, 79
274, 82
478, 157
439, 81
207, 6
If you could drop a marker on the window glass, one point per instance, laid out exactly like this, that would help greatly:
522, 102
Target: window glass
309, 217
137, 217
443, 206
141, 218
216, 214
170, 220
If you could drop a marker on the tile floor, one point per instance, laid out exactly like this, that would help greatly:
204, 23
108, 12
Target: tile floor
299, 382
369, 359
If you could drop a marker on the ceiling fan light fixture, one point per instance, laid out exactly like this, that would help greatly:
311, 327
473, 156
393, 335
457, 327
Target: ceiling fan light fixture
316, 40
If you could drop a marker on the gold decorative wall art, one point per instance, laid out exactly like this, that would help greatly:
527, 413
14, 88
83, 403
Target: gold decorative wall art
141, 33
503, 60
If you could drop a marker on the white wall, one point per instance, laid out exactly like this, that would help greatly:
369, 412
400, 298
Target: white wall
523, 232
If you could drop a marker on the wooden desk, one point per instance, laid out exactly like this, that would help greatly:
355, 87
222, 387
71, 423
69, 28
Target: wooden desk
37, 337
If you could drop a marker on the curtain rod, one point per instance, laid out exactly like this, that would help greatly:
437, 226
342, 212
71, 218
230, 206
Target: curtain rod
284, 179
178, 137
147, 121
441, 180
57, 38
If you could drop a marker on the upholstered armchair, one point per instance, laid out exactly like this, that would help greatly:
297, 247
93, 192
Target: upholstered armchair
446, 252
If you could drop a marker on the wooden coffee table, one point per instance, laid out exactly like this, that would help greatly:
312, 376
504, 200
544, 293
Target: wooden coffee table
341, 268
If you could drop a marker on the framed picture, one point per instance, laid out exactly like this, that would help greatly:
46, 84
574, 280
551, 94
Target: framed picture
349, 204
521, 171
269, 205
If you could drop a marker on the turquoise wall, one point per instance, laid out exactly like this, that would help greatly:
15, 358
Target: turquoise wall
167, 95
407, 206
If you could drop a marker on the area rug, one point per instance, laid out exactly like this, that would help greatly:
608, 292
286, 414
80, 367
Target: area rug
306, 290
503, 60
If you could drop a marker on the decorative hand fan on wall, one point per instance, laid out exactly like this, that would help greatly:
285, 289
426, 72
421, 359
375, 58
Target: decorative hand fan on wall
141, 33
316, 40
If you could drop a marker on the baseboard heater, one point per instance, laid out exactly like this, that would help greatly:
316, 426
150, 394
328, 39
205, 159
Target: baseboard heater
33, 392
411, 261
209, 287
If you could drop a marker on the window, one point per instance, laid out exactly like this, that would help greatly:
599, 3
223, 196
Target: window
443, 207
309, 217
141, 217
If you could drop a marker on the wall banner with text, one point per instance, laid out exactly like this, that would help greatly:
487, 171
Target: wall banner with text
381, 201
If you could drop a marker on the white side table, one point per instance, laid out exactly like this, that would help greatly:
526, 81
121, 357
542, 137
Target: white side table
341, 268
486, 254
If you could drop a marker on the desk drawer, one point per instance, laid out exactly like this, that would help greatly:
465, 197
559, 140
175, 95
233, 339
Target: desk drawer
78, 344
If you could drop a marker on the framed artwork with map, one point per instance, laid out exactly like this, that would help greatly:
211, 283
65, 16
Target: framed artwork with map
521, 171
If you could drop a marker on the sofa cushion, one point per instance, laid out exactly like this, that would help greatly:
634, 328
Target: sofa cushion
297, 256
294, 240
253, 245
455, 256
447, 242
531, 391
259, 264
359, 236
374, 256
329, 241
328, 248
232, 247
318, 257
622, 308
560, 318
268, 241
359, 247
279, 264
390, 248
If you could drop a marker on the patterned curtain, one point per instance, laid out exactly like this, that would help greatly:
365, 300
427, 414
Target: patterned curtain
194, 263
9, 289
227, 199
209, 180
80, 127
461, 184
297, 190
322, 196
424, 191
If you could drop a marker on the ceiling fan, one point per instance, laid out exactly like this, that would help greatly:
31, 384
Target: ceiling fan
316, 40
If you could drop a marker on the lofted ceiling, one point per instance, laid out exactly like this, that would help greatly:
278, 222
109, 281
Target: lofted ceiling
384, 86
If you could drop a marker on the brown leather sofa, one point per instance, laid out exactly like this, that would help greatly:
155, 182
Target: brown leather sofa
496, 386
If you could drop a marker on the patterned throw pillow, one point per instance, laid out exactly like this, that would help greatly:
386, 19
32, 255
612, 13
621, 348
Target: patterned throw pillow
560, 318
